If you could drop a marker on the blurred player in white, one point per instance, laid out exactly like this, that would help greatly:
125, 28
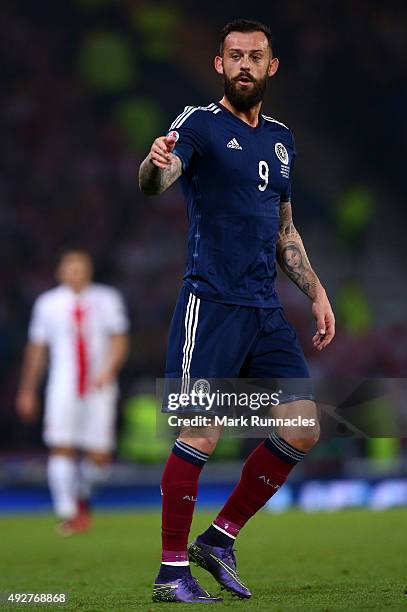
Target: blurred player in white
83, 328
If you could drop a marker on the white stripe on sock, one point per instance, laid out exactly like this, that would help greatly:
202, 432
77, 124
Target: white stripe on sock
284, 444
223, 531
286, 449
176, 563
190, 452
185, 446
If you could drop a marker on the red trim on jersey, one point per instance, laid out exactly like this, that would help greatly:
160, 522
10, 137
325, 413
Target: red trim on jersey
81, 350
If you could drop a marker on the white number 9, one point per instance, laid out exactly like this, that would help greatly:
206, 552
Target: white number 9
264, 174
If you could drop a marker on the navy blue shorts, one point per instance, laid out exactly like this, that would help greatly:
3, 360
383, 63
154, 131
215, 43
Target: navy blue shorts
212, 340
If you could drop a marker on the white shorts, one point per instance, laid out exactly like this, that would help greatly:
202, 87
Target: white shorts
85, 423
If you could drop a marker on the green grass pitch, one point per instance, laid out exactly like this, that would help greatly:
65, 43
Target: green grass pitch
352, 560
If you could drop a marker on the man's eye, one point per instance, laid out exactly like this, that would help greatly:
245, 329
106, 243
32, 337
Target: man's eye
256, 58
235, 56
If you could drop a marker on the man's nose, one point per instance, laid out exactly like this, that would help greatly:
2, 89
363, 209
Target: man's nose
245, 64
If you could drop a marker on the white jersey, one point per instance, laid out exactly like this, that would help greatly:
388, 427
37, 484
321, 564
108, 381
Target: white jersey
77, 329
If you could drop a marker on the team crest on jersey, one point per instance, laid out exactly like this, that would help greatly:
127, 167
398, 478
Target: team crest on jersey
281, 153
174, 134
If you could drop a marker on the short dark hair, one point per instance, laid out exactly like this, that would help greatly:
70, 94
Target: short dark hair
245, 25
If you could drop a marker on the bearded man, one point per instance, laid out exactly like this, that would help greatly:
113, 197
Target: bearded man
235, 166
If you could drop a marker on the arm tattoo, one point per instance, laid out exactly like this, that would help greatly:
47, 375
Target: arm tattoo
154, 180
291, 254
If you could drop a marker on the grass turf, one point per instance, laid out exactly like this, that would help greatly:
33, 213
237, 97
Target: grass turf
352, 560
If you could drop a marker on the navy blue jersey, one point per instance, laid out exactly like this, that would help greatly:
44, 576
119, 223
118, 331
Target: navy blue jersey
234, 178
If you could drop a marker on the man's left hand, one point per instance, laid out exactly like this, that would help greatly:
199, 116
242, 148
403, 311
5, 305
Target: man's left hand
322, 311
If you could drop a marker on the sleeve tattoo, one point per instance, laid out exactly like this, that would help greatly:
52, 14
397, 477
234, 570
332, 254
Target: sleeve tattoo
154, 180
291, 254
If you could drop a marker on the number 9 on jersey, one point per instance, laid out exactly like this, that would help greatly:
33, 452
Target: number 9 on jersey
264, 174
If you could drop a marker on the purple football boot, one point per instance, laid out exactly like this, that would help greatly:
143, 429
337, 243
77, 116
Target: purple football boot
221, 563
186, 589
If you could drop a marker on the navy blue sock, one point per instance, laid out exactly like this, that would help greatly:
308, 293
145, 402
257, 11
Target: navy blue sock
171, 572
214, 537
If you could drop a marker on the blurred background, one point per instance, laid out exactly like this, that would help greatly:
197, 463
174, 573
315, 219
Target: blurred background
86, 86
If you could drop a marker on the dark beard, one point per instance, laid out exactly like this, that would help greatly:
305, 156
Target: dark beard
241, 100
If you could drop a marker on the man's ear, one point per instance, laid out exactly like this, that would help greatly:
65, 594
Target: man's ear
273, 67
218, 63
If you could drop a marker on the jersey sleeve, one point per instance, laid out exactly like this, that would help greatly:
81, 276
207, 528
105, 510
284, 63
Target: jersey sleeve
287, 194
192, 132
116, 314
38, 328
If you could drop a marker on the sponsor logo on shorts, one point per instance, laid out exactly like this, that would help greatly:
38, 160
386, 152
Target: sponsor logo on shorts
202, 386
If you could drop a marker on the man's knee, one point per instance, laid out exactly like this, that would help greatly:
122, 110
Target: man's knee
100, 458
303, 432
65, 451
302, 438
204, 439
